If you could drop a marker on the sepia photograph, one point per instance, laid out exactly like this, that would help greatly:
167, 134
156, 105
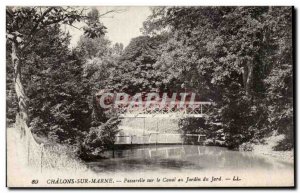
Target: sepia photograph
150, 96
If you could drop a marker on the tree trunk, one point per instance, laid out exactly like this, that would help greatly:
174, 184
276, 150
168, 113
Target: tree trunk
21, 96
248, 76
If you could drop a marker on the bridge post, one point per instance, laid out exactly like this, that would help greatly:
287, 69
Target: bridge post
144, 130
201, 108
42, 154
156, 132
28, 150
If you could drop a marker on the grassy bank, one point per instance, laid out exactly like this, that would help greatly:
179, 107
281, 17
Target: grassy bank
26, 157
267, 148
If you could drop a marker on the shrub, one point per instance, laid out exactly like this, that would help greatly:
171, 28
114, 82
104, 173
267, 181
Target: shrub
99, 139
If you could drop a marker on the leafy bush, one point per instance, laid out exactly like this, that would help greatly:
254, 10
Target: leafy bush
99, 139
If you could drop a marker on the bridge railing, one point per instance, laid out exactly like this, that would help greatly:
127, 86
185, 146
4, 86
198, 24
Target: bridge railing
197, 108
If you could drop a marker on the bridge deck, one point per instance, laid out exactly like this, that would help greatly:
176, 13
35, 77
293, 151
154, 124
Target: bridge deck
160, 115
157, 138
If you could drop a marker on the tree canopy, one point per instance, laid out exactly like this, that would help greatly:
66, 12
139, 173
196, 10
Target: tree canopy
238, 57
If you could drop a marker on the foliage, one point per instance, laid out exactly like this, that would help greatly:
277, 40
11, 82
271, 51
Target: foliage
192, 126
11, 99
135, 71
59, 109
23, 23
202, 126
238, 57
57, 86
99, 139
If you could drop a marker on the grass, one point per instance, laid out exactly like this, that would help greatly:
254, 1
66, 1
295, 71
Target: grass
267, 148
29, 155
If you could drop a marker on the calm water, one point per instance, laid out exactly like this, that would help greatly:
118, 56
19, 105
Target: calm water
183, 158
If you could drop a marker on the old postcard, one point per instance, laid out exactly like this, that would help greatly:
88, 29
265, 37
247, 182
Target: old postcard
190, 96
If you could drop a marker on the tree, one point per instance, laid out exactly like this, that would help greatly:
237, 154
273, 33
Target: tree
229, 55
135, 71
118, 49
99, 60
59, 108
279, 82
23, 24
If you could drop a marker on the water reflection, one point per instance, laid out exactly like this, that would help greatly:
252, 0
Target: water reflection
183, 157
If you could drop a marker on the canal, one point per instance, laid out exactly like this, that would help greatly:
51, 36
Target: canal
184, 158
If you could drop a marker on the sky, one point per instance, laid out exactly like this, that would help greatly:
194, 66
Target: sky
121, 27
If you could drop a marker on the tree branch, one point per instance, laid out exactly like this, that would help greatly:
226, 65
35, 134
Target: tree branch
112, 11
40, 20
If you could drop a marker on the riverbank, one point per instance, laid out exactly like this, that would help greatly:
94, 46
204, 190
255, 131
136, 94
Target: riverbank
27, 160
130, 127
267, 149
168, 161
